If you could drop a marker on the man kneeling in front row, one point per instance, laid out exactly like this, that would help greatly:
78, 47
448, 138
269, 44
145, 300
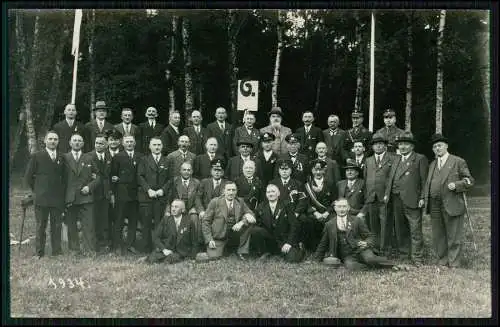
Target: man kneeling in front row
346, 239
175, 236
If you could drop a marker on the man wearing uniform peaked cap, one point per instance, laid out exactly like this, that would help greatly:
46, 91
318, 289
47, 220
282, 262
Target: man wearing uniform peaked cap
357, 132
390, 131
299, 160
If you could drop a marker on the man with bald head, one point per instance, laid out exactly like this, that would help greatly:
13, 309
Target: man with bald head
223, 132
178, 157
197, 134
335, 139
148, 129
67, 127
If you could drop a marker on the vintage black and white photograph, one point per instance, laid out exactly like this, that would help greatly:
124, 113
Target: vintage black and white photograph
249, 163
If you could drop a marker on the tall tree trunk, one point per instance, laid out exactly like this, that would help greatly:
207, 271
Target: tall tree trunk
409, 73
439, 77
188, 78
92, 62
279, 50
318, 91
168, 72
232, 69
358, 102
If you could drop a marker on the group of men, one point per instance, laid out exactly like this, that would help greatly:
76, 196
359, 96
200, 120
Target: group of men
337, 196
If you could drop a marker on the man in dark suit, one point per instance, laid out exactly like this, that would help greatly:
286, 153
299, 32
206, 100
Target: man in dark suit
358, 153
171, 133
114, 142
332, 170
308, 135
212, 187
353, 188
275, 230
174, 237
299, 160
335, 138
234, 167
357, 132
152, 177
347, 239
176, 158
197, 134
247, 132
404, 192
265, 160
102, 193
444, 195
114, 147
45, 177
376, 173
99, 125
390, 131
68, 127
250, 188
226, 225
202, 162
82, 176
223, 132
126, 127
148, 129
124, 176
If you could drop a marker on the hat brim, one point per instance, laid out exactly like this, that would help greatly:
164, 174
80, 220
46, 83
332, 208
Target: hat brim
373, 141
444, 140
244, 143
353, 167
275, 112
405, 140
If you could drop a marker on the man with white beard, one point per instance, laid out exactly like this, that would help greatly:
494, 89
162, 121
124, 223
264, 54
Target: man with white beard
278, 130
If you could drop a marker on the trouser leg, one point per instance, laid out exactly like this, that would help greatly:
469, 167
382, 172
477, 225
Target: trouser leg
41, 216
118, 224
455, 236
146, 214
401, 226
368, 257
414, 219
55, 230
101, 221
439, 238
71, 222
132, 217
352, 263
86, 214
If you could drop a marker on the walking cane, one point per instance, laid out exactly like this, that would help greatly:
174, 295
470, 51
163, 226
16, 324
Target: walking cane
469, 220
25, 203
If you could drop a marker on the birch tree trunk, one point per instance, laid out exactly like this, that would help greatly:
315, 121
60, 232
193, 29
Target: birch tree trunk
409, 73
439, 77
358, 102
188, 78
92, 63
232, 69
279, 50
168, 72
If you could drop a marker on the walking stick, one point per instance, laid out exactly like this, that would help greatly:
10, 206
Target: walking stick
25, 203
469, 220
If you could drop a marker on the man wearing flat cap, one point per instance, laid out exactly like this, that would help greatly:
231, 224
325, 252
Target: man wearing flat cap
444, 195
99, 125
234, 167
357, 132
390, 131
277, 129
404, 193
266, 159
148, 129
299, 160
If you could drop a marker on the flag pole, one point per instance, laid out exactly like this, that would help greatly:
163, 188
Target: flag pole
372, 73
75, 50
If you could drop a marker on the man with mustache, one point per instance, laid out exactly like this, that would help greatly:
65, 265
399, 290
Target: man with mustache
247, 132
279, 131
148, 129
335, 138
309, 135
99, 125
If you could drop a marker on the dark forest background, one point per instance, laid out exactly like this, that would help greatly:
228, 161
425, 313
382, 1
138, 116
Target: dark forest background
325, 56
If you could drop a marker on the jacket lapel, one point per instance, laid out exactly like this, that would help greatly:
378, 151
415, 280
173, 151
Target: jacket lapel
385, 159
406, 165
182, 227
152, 163
179, 186
72, 163
237, 209
445, 170
190, 187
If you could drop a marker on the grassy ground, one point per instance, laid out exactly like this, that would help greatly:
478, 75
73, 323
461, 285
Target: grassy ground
122, 287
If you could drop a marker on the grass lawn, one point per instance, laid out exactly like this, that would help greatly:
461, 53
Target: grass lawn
119, 287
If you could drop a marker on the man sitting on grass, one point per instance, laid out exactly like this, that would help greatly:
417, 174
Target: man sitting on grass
347, 239
174, 237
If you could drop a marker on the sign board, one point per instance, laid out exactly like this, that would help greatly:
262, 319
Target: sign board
248, 95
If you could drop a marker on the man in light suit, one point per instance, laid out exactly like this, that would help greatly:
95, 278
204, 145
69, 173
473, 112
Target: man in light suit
178, 157
126, 127
223, 132
202, 162
247, 132
197, 134
444, 195
99, 125
171, 133
335, 139
67, 127
226, 225
148, 129
279, 131
403, 191
309, 135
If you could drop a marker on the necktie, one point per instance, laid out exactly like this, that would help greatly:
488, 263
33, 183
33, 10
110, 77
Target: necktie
53, 156
77, 156
403, 158
197, 129
186, 184
211, 157
183, 156
222, 127
285, 183
230, 206
157, 159
440, 163
349, 184
378, 159
216, 184
130, 155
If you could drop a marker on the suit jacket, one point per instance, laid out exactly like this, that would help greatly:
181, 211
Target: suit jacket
362, 134
175, 160
356, 231
241, 133
193, 200
80, 174
309, 140
133, 129
169, 139
300, 169
151, 175
456, 171
411, 179
297, 201
93, 129
376, 176
202, 167
126, 170
335, 144
234, 168
325, 196
46, 179
64, 132
214, 224
279, 143
224, 138
363, 160
145, 133
355, 196
197, 141
251, 193
103, 189
266, 169
182, 241
207, 191
390, 134
283, 224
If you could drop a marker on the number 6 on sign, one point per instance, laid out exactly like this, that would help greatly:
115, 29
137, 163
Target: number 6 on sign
248, 95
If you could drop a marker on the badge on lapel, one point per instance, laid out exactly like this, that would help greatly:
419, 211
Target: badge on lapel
108, 162
162, 166
58, 161
273, 160
407, 173
183, 230
135, 163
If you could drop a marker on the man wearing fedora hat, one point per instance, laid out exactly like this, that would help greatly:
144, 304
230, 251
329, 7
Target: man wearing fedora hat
266, 158
353, 187
357, 132
448, 179
148, 129
279, 131
403, 192
390, 131
99, 125
375, 174
234, 167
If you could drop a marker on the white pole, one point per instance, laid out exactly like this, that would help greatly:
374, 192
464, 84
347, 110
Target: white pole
75, 50
372, 74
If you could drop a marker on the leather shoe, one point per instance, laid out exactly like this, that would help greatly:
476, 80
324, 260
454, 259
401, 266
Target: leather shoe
242, 257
